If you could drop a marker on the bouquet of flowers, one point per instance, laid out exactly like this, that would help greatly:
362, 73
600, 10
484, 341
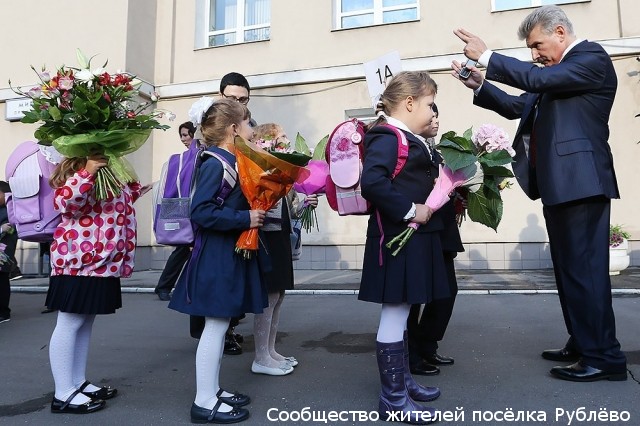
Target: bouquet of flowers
264, 179
318, 169
486, 152
316, 183
281, 148
88, 111
476, 162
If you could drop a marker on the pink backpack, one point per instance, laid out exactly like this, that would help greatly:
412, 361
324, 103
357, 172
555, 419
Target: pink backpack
344, 153
30, 203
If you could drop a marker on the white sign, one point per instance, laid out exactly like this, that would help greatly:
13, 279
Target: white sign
379, 71
16, 107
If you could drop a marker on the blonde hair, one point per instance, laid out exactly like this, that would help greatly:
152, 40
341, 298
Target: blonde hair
267, 131
220, 115
401, 86
65, 169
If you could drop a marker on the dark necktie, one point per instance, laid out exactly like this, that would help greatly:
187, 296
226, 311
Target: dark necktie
532, 139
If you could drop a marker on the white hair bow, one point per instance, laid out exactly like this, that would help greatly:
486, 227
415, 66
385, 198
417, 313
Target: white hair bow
198, 109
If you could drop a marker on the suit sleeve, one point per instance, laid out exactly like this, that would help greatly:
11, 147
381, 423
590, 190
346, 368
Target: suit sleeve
381, 154
205, 212
578, 72
508, 106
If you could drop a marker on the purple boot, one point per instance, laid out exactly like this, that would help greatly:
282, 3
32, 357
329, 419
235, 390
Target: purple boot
416, 391
395, 403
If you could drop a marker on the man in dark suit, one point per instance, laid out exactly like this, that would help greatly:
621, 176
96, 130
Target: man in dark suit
563, 157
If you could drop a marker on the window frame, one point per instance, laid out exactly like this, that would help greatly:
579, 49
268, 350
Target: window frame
239, 29
378, 12
534, 3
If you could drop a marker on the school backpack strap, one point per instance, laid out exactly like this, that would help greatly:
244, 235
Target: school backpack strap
403, 149
229, 177
403, 154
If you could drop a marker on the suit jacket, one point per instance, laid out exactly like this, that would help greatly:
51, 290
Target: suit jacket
567, 107
393, 198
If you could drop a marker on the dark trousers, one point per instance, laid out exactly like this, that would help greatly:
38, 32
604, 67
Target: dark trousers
579, 241
5, 295
427, 330
173, 268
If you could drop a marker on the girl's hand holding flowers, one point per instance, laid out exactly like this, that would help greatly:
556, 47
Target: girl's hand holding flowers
257, 218
95, 163
311, 200
423, 214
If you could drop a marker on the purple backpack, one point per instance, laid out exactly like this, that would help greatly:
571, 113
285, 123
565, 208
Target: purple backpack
172, 197
30, 203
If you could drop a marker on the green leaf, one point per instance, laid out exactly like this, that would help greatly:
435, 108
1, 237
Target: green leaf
301, 145
296, 158
79, 105
55, 113
496, 171
485, 207
496, 158
30, 117
456, 159
320, 150
450, 143
468, 134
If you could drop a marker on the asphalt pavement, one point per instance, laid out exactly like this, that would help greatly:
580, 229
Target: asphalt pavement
501, 323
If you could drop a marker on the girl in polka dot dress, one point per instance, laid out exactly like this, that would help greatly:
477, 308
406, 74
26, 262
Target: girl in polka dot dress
93, 247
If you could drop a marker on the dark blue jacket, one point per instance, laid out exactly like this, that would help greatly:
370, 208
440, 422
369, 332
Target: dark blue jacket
393, 198
574, 100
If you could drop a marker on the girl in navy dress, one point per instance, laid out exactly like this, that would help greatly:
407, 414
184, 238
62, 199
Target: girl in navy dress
416, 274
217, 283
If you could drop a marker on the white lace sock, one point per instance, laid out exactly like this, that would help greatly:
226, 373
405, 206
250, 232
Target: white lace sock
81, 354
393, 322
276, 300
208, 358
262, 326
62, 349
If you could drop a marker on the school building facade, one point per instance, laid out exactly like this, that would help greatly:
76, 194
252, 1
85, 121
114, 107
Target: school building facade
304, 62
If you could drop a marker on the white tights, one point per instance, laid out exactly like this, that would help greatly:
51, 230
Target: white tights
265, 331
68, 353
208, 359
393, 322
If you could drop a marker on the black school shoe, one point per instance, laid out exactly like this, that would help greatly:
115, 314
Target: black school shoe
204, 415
105, 392
91, 406
231, 346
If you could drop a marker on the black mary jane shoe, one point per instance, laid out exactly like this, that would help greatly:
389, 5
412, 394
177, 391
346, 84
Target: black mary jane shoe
204, 415
235, 400
58, 406
105, 392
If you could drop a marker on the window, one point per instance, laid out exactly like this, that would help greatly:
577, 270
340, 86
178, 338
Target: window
498, 5
237, 21
361, 13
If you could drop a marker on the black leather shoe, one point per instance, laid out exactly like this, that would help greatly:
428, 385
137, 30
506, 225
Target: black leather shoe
204, 415
422, 368
231, 347
58, 406
580, 372
239, 337
561, 355
105, 392
235, 400
165, 296
437, 359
